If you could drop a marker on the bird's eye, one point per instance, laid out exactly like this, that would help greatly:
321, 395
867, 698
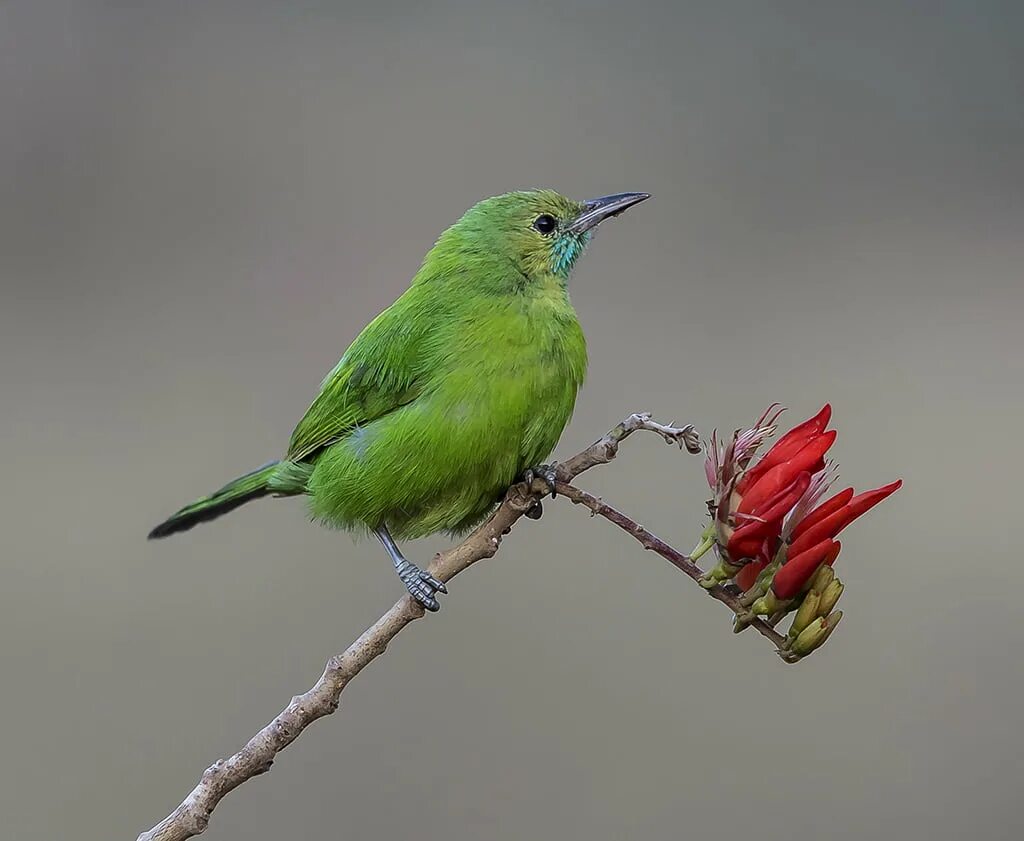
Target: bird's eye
545, 223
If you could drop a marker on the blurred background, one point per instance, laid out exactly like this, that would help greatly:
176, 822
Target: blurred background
201, 206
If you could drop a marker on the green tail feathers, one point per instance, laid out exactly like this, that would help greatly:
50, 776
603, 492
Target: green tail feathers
274, 478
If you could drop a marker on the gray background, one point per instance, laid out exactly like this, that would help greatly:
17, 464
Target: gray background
201, 206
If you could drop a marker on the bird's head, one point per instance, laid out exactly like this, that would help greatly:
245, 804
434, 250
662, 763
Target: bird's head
539, 232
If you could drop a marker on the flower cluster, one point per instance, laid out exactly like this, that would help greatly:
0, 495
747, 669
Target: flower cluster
774, 535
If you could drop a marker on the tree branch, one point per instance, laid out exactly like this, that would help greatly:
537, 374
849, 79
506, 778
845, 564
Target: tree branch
729, 596
193, 814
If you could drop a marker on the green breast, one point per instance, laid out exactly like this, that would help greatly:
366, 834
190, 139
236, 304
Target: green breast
502, 389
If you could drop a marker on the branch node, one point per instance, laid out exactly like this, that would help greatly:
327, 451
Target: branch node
210, 774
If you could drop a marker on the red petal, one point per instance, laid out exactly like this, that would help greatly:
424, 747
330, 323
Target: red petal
746, 577
808, 458
770, 523
838, 520
797, 571
869, 499
829, 506
830, 558
787, 446
748, 546
755, 546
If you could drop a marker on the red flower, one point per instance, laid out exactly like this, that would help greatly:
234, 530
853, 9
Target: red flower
746, 577
768, 490
835, 514
766, 510
804, 521
787, 447
773, 536
771, 482
797, 571
812, 541
764, 522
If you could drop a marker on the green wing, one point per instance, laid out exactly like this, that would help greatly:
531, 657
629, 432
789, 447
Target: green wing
382, 370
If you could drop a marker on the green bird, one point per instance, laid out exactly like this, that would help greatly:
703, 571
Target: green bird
452, 393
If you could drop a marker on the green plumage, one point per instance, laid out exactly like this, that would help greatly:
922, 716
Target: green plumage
447, 396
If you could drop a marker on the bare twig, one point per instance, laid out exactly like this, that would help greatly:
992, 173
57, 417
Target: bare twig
193, 814
725, 595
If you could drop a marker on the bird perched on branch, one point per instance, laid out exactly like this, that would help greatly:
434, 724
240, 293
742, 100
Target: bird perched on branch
451, 393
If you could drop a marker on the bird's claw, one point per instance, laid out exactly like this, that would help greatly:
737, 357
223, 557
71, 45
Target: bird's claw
422, 586
545, 472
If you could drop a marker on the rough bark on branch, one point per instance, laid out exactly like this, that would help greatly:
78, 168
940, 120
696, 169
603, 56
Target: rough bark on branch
192, 816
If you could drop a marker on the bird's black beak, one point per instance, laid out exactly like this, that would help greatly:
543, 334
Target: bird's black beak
596, 211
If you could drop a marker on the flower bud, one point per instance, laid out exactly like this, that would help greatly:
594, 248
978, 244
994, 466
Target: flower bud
722, 571
810, 638
807, 613
830, 596
822, 578
769, 604
814, 635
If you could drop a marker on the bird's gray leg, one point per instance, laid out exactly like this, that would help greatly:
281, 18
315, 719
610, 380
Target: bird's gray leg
548, 474
421, 585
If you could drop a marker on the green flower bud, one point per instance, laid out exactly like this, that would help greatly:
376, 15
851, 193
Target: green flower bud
829, 597
814, 635
722, 571
769, 604
822, 578
806, 614
810, 638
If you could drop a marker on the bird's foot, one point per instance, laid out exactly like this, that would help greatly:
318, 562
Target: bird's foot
421, 585
548, 473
